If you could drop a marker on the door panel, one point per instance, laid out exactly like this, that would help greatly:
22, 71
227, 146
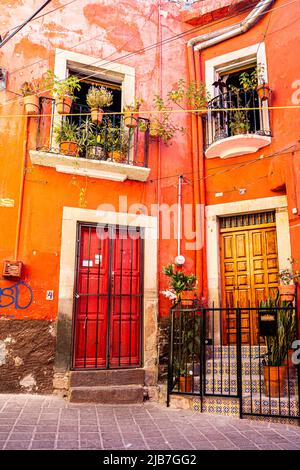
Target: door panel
249, 267
108, 298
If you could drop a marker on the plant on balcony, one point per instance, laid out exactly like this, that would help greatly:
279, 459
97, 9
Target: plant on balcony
118, 143
93, 141
287, 279
239, 123
131, 113
179, 282
194, 94
255, 81
29, 91
66, 134
98, 98
63, 90
278, 346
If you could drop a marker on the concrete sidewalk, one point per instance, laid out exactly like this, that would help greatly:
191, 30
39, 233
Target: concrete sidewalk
49, 422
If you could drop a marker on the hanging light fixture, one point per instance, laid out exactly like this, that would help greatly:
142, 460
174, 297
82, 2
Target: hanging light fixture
263, 91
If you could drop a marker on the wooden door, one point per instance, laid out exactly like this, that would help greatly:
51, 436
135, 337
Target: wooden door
108, 298
249, 267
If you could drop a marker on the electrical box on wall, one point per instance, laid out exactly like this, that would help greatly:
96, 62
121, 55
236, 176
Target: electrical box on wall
12, 269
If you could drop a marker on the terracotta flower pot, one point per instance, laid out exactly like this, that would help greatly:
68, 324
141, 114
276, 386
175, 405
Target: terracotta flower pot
32, 104
97, 115
263, 91
63, 105
287, 293
274, 377
69, 148
186, 383
131, 119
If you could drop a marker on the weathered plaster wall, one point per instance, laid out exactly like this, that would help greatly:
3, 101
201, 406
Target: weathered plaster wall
26, 356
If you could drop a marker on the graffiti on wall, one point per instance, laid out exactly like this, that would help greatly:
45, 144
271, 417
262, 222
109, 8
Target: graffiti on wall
18, 296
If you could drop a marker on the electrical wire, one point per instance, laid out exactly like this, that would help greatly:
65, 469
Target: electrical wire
155, 111
241, 165
152, 46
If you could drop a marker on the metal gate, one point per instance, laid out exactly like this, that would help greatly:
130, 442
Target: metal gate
209, 357
108, 296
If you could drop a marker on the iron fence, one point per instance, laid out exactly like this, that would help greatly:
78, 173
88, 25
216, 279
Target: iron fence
232, 113
76, 135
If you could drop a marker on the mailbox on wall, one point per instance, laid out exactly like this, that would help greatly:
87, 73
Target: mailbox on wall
267, 323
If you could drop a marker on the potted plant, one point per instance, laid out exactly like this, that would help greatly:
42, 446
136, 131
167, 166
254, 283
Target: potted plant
118, 144
94, 140
287, 287
98, 98
29, 92
179, 284
131, 113
66, 135
63, 91
194, 94
278, 345
161, 126
256, 81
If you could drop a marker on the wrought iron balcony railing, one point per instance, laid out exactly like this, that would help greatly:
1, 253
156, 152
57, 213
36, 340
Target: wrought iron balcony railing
236, 112
76, 135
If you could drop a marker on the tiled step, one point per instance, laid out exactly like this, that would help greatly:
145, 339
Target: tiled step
117, 394
94, 378
217, 351
255, 384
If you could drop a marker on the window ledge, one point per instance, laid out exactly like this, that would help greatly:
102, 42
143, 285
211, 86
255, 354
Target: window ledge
93, 168
236, 145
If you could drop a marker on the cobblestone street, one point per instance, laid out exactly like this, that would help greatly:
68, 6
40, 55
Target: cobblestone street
49, 422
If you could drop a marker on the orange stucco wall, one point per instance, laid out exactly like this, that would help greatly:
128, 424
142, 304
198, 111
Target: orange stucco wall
121, 29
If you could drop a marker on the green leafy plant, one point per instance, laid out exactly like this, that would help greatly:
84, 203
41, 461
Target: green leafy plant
250, 80
61, 88
278, 345
133, 107
66, 132
187, 338
178, 280
239, 123
161, 125
99, 97
194, 93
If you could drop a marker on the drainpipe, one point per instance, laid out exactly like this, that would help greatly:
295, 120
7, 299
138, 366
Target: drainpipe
194, 46
179, 260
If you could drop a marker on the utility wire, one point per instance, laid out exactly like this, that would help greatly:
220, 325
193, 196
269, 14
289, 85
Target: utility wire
18, 28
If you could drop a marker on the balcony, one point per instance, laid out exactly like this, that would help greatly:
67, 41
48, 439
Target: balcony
75, 145
234, 127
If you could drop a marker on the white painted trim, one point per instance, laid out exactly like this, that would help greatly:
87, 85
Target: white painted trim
70, 218
246, 55
255, 53
278, 203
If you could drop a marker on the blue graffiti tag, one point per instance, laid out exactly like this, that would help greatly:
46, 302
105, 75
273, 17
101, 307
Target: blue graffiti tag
10, 296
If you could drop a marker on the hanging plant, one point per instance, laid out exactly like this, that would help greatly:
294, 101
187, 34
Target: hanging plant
63, 91
98, 98
194, 94
131, 113
29, 91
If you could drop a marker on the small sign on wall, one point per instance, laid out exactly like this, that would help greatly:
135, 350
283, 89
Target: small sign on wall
50, 295
87, 263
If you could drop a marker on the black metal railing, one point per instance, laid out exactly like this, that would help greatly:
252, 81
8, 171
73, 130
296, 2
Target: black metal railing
233, 352
234, 113
76, 135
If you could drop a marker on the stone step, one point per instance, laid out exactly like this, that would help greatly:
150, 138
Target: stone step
117, 394
94, 378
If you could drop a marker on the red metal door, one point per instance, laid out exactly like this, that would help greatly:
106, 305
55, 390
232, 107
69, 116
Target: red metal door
108, 298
